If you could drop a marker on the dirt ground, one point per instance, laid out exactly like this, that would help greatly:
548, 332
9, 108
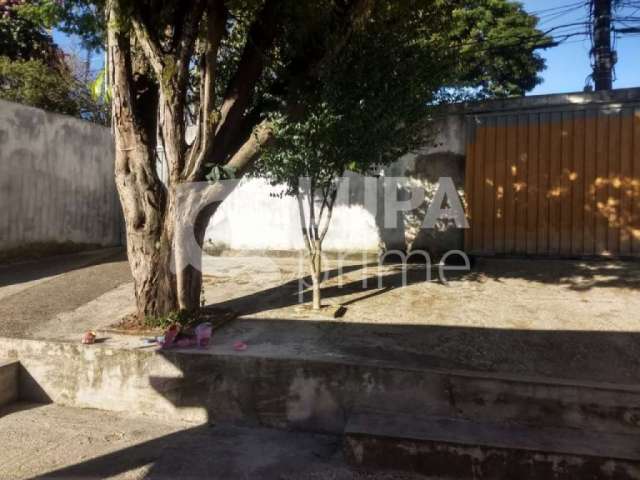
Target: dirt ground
569, 319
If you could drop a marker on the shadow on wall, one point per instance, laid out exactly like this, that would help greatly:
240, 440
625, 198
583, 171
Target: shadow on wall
399, 228
424, 171
358, 223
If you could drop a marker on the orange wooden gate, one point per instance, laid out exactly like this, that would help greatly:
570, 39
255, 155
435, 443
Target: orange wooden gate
562, 182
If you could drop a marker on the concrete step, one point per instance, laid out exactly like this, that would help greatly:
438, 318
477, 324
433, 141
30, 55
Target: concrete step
9, 371
458, 448
307, 393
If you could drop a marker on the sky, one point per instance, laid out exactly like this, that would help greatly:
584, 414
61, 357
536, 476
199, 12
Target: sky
568, 64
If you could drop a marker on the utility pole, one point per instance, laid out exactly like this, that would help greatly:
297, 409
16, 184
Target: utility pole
604, 58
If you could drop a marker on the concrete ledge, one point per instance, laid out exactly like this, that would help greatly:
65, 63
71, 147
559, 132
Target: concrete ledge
8, 382
310, 392
453, 448
496, 435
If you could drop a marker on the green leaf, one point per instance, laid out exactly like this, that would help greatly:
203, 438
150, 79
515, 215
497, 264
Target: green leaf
97, 86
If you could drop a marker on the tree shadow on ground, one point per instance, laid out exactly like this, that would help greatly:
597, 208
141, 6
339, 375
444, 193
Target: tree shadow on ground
218, 452
11, 274
377, 280
581, 275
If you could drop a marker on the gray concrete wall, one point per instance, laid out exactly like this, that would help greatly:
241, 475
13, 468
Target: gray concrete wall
56, 180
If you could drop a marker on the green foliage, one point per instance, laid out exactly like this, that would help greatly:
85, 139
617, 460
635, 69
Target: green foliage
21, 38
100, 93
33, 70
34, 83
40, 12
84, 18
304, 148
219, 172
496, 43
98, 87
371, 103
179, 317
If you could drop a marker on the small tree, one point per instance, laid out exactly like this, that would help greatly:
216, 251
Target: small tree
302, 158
371, 105
366, 109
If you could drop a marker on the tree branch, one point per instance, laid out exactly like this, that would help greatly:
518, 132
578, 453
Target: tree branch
186, 42
303, 223
217, 16
134, 159
249, 151
149, 44
330, 203
260, 39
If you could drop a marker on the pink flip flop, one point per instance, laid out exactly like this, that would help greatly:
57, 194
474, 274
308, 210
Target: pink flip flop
170, 336
89, 337
240, 346
203, 334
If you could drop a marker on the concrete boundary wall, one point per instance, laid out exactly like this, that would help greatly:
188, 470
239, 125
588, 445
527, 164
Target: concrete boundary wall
56, 180
253, 218
257, 217
56, 185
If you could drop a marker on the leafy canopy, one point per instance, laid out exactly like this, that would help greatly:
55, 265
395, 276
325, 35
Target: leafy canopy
372, 103
33, 69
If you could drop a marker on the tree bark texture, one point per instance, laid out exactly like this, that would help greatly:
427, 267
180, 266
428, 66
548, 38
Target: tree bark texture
149, 62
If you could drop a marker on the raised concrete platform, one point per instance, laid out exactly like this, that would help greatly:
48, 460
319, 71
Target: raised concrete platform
322, 376
312, 380
9, 372
456, 448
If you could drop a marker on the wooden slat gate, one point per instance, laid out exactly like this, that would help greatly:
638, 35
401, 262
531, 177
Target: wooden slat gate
559, 182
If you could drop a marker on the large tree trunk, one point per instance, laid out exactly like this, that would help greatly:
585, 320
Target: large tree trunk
146, 203
149, 79
149, 235
155, 286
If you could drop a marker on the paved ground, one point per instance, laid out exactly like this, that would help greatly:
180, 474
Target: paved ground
575, 320
35, 292
51, 441
567, 319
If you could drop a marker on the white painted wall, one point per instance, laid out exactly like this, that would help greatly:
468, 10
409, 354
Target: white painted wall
252, 218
